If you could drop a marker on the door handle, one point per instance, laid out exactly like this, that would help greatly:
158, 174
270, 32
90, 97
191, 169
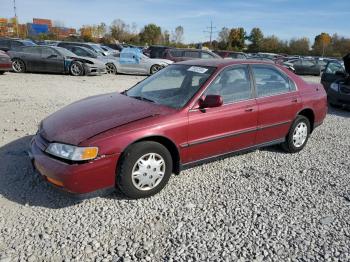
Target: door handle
249, 109
295, 100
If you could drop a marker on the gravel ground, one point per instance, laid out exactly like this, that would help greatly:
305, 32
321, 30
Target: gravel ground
261, 206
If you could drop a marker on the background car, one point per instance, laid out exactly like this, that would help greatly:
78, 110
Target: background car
92, 46
336, 81
110, 51
304, 66
110, 61
7, 44
53, 59
5, 63
231, 54
156, 51
177, 54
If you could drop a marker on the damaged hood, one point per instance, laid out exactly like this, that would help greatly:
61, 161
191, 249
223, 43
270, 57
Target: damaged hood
346, 60
86, 118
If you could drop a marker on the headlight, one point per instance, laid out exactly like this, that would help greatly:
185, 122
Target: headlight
335, 87
73, 153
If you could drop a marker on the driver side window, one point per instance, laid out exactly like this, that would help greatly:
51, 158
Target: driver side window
232, 84
332, 68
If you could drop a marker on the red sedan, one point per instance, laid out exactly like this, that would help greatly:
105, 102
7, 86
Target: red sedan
5, 62
188, 113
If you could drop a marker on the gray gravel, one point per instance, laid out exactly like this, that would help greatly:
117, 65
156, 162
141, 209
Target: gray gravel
265, 205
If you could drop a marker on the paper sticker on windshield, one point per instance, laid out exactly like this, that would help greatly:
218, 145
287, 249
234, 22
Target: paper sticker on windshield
198, 69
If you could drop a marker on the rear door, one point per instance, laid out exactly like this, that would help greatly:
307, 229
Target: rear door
31, 55
333, 72
278, 102
230, 127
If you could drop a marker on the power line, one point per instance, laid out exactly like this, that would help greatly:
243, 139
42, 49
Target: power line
210, 31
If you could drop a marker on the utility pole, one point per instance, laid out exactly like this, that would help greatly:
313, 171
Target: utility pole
16, 21
210, 31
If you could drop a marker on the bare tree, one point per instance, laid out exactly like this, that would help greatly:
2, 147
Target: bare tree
178, 34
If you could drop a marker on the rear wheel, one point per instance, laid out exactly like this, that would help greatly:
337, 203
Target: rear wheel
76, 68
298, 135
111, 69
18, 66
2, 72
144, 170
155, 69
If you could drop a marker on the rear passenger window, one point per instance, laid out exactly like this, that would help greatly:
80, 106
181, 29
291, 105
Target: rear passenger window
232, 84
271, 82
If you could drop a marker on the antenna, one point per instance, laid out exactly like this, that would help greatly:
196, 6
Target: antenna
15, 11
210, 31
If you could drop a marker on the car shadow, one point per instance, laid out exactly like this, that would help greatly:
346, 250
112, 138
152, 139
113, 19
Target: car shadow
21, 184
338, 111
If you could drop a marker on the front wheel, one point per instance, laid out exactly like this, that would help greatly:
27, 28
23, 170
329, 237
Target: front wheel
298, 135
76, 68
111, 69
144, 170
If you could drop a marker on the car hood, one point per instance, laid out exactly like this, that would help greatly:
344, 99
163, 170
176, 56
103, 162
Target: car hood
86, 118
346, 60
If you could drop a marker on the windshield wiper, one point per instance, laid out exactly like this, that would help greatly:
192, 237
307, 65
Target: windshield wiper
143, 99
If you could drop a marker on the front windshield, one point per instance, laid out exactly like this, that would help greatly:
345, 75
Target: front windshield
173, 86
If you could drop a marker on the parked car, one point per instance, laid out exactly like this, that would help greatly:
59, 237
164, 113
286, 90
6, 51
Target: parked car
177, 55
336, 81
53, 59
5, 63
304, 66
110, 51
186, 114
117, 47
7, 44
110, 62
92, 46
231, 54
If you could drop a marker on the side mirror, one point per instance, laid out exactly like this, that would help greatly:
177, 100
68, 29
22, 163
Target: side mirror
211, 101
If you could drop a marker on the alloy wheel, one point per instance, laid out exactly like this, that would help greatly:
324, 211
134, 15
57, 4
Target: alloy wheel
76, 69
155, 69
300, 134
148, 171
111, 69
18, 66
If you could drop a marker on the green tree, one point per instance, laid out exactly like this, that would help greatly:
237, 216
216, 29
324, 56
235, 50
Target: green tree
273, 44
256, 38
299, 46
223, 39
237, 38
151, 34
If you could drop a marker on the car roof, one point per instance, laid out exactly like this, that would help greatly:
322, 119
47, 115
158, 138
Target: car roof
222, 62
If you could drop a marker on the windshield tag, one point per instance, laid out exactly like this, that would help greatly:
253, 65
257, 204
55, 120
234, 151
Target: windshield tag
198, 69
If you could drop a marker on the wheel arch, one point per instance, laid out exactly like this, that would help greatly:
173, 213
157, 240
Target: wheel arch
168, 143
309, 114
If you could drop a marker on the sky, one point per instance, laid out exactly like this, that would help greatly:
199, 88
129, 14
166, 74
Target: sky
285, 19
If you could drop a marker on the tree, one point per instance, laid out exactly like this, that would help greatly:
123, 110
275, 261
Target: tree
272, 44
223, 38
86, 33
237, 38
178, 34
256, 38
299, 46
165, 39
118, 29
101, 30
151, 34
322, 41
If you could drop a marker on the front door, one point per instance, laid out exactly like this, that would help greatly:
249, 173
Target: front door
52, 61
278, 102
230, 127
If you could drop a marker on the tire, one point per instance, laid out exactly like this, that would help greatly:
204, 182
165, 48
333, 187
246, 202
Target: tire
298, 135
150, 177
111, 69
76, 69
18, 65
155, 69
2, 72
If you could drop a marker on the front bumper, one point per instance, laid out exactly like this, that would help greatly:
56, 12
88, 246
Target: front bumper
338, 98
83, 178
93, 70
